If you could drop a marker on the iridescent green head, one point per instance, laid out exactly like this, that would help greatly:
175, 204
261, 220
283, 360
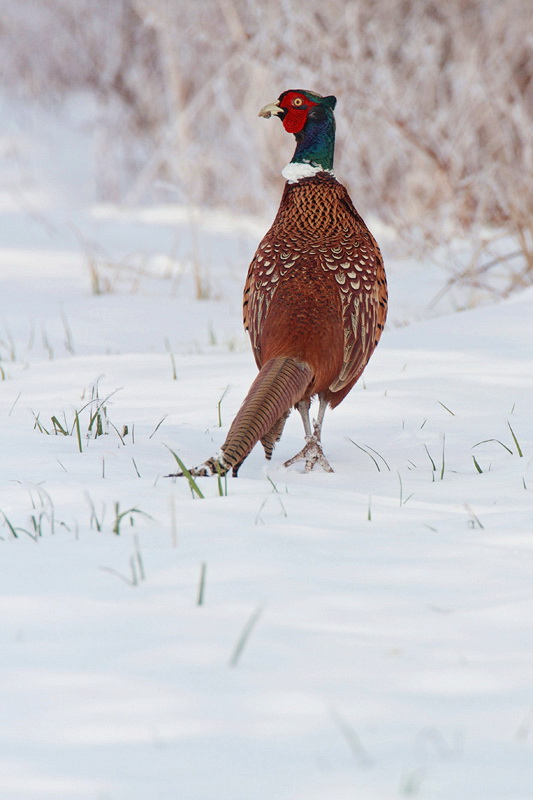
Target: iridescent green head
309, 116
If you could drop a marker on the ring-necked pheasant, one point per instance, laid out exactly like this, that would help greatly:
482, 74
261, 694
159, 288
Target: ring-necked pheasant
315, 299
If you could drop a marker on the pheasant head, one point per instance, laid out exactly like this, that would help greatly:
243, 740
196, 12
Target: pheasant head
309, 116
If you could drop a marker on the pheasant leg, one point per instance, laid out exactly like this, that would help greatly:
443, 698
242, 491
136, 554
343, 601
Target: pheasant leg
311, 452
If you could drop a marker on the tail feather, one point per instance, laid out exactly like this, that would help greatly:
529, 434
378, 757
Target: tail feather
280, 384
270, 439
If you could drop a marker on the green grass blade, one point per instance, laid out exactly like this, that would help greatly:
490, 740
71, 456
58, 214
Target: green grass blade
367, 453
446, 408
39, 425
157, 426
10, 526
243, 638
378, 455
58, 428
186, 474
401, 487
515, 440
433, 465
477, 465
201, 585
78, 431
475, 518
222, 488
485, 441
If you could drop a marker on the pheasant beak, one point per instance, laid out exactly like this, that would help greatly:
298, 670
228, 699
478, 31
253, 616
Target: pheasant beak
271, 108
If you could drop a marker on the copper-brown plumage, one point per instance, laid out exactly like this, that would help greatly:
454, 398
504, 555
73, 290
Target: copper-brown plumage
316, 288
315, 302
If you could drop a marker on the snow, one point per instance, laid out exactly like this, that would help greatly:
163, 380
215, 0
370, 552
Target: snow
361, 634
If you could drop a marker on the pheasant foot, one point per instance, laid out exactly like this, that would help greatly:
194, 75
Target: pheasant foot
213, 466
311, 453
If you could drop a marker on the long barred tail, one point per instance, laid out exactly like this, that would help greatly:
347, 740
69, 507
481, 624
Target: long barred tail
280, 384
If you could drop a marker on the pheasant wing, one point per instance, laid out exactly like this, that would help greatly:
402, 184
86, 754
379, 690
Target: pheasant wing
361, 276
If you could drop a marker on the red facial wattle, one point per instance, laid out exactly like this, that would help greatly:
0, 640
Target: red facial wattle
296, 116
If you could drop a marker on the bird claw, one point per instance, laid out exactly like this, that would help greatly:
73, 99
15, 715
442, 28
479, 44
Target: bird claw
312, 454
196, 472
213, 466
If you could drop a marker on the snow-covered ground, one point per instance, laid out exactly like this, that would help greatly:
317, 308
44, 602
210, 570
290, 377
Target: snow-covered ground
365, 634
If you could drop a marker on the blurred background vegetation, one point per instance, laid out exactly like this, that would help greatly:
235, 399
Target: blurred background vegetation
435, 105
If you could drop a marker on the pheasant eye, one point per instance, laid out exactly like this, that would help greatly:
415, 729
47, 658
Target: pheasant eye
297, 101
